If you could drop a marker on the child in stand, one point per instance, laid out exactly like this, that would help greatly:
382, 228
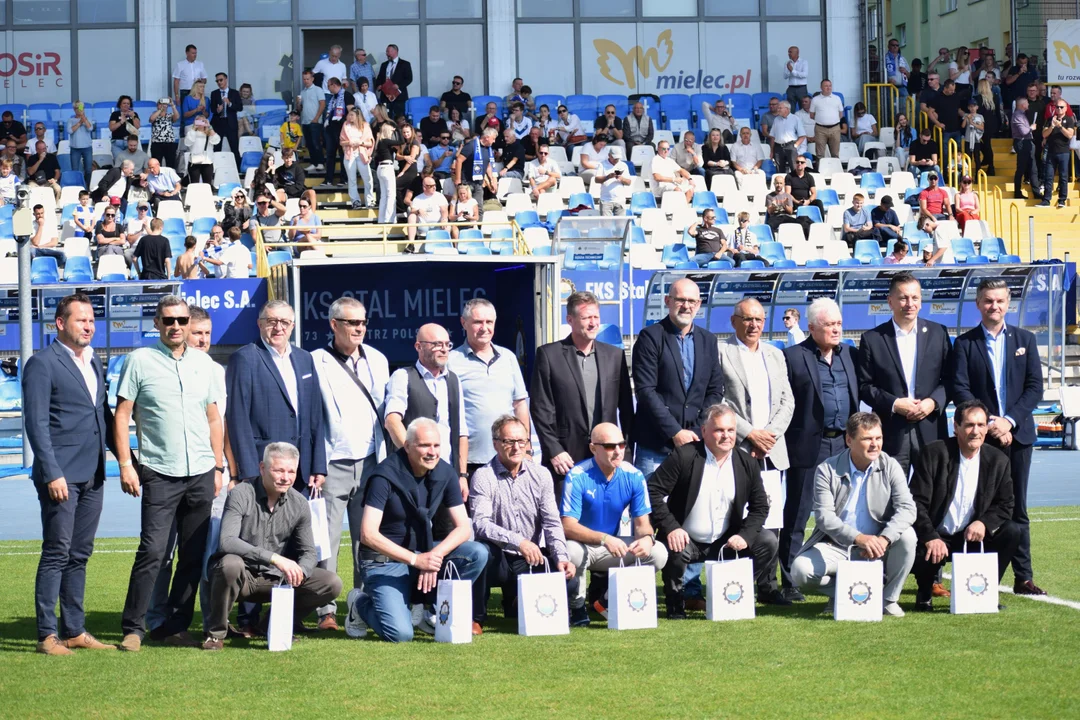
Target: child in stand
290, 131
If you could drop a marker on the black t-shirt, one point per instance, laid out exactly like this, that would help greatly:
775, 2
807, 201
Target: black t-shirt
514, 150
920, 151
291, 179
15, 130
530, 147
49, 166
916, 82
334, 124
708, 239
120, 133
430, 130
600, 125
1056, 142
152, 250
395, 525
928, 97
487, 156
948, 110
99, 229
800, 186
460, 101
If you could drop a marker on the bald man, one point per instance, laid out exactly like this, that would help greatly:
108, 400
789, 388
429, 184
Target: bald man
596, 493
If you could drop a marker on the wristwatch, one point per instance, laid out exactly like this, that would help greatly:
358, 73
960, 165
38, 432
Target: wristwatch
463, 475
219, 469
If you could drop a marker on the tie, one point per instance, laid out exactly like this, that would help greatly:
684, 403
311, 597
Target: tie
393, 67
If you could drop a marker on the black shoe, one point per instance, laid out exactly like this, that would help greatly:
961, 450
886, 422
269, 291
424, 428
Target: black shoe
772, 596
1061, 205
794, 594
579, 617
1045, 203
1001, 607
924, 606
676, 608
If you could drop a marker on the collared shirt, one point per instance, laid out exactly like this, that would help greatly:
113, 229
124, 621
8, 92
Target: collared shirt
687, 158
598, 503
83, 361
362, 70
962, 507
171, 396
757, 381
283, 363
834, 390
795, 335
590, 377
490, 388
906, 344
708, 520
188, 72
164, 181
786, 129
827, 109
330, 69
507, 510
1021, 126
687, 352
995, 346
856, 512
310, 97
798, 73
250, 529
353, 424
745, 155
397, 401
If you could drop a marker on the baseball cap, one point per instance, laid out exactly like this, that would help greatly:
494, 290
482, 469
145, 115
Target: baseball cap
114, 201
615, 151
144, 206
493, 122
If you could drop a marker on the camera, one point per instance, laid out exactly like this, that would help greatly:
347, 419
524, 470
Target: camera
22, 194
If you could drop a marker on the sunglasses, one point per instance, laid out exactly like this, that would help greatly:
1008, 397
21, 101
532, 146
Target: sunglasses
609, 112
543, 154
444, 137
429, 186
304, 205
352, 323
612, 446
455, 83
109, 215
170, 321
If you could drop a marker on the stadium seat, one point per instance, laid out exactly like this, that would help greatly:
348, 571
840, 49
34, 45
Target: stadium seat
44, 270
810, 211
1009, 259
752, 265
584, 106
817, 262
113, 277
866, 250
829, 167
72, 178
977, 260
637, 235
175, 226
768, 167
77, 269
719, 265
203, 225
976, 230
703, 200
846, 262
675, 112
828, 197
762, 232
700, 121
417, 107
278, 257
112, 265
871, 182
612, 257
740, 105
773, 251
527, 219
675, 254
551, 100
785, 263
640, 201
962, 249
176, 244
993, 248
580, 200
250, 160
226, 189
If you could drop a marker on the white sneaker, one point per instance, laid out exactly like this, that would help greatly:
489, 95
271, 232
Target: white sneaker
311, 168
893, 610
355, 627
422, 620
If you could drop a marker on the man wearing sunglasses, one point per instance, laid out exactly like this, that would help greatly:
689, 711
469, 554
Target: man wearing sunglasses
598, 491
610, 126
1057, 133
173, 391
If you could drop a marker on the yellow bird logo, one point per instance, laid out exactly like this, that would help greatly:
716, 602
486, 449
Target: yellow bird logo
1066, 54
606, 50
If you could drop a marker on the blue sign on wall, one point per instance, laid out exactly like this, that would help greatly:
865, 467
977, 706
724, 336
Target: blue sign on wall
233, 305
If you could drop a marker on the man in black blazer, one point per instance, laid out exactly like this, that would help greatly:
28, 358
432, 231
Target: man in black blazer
901, 369
673, 387
398, 72
821, 371
577, 384
65, 413
999, 366
963, 495
697, 481
225, 103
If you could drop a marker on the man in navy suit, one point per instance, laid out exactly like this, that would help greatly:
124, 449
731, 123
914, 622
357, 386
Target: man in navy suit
225, 103
901, 370
999, 366
396, 71
64, 412
821, 371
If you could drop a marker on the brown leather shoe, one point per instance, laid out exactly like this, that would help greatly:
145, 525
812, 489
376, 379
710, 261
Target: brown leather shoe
131, 643
248, 632
328, 623
1027, 588
695, 603
180, 639
51, 645
213, 643
86, 641
476, 629
940, 591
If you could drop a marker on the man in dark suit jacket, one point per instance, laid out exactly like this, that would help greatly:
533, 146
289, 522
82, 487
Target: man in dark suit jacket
577, 384
999, 366
901, 369
225, 103
963, 494
693, 534
673, 388
398, 72
821, 371
65, 412
274, 396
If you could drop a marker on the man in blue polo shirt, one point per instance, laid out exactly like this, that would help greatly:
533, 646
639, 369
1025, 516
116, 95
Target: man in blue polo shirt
595, 494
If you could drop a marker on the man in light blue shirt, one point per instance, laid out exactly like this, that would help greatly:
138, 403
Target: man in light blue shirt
491, 381
857, 223
596, 492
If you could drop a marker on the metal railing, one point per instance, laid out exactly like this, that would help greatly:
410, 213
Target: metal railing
1014, 229
983, 183
883, 99
998, 226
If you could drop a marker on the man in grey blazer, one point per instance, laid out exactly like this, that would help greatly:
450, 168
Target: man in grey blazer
861, 499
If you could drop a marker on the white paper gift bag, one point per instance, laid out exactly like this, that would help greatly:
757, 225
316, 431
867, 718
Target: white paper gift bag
279, 633
772, 481
320, 525
453, 608
975, 582
631, 597
213, 537
541, 601
859, 586
731, 588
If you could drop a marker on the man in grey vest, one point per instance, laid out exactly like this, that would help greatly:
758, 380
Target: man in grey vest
428, 389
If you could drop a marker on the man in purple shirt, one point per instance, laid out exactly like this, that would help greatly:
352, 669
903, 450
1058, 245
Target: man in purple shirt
512, 500
1024, 144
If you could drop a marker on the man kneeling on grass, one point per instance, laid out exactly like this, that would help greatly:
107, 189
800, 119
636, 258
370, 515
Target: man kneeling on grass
266, 540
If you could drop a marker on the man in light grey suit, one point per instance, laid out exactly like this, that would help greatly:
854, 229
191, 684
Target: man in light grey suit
861, 498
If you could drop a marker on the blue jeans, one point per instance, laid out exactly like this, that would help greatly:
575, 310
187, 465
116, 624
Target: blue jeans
82, 159
389, 586
1059, 162
119, 146
313, 139
48, 252
647, 460
958, 136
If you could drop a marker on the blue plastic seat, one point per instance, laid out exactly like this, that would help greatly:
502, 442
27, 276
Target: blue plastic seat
114, 277
578, 200
201, 226
68, 213
552, 101
978, 260
611, 334
785, 263
44, 270
77, 269
175, 226
247, 241
438, 234
703, 200
828, 197
695, 109
637, 235
250, 160
506, 247
226, 189
761, 101
176, 244
719, 265
687, 265
503, 233
527, 219
866, 250
471, 234
817, 262
871, 182
641, 201
584, 106
762, 232
612, 257
810, 211
769, 168
480, 103
752, 265
278, 257
778, 344
544, 250
675, 254
622, 105
10, 396
962, 249
476, 249
773, 251
848, 262
1009, 259
417, 108
675, 107
740, 105
72, 178
568, 233
992, 248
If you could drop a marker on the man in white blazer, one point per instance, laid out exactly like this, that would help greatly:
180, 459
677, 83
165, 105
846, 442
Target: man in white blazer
352, 378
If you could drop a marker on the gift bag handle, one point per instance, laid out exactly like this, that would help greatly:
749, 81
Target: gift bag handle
446, 571
721, 554
636, 564
547, 567
981, 550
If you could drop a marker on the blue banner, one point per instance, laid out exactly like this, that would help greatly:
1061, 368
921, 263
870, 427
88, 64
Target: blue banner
233, 305
603, 283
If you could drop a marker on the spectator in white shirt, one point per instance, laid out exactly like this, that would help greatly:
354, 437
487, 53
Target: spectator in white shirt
826, 110
865, 128
795, 73
518, 121
331, 67
668, 176
542, 174
785, 136
235, 258
807, 122
746, 154
687, 154
568, 129
186, 72
613, 176
795, 335
720, 119
592, 155
427, 207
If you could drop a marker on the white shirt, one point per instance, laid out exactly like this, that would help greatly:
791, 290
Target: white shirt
798, 73
572, 125
86, 368
366, 102
596, 156
865, 123
962, 506
785, 130
521, 129
329, 70
237, 258
807, 124
353, 428
708, 519
666, 167
397, 401
611, 189
827, 109
906, 343
283, 362
536, 173
744, 156
188, 73
429, 207
757, 381
795, 335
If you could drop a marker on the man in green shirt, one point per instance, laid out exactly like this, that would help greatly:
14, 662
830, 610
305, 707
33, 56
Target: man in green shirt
173, 390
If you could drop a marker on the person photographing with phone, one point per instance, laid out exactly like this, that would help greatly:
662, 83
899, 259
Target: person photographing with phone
613, 177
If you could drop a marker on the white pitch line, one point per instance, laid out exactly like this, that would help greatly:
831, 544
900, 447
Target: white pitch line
1053, 519
1049, 599
96, 552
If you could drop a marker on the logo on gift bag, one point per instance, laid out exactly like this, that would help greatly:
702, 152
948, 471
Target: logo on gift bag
444, 612
860, 593
638, 600
733, 593
546, 606
977, 584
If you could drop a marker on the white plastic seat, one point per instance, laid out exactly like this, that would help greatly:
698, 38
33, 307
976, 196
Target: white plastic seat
976, 230
225, 170
197, 192
9, 271
652, 218
820, 233
111, 265
7, 246
879, 146
516, 202
663, 236
835, 251
829, 166
753, 185
170, 209
683, 218
645, 257
506, 187
887, 166
102, 151
834, 217
724, 185
844, 184
548, 202
558, 153
493, 219
660, 135
848, 150
899, 182
903, 212
802, 251
536, 237
70, 195
75, 247
672, 200
568, 185
860, 161
250, 143
887, 137
640, 153
790, 234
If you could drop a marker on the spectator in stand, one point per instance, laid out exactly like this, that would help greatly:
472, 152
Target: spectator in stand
967, 203
520, 123
455, 97
331, 67
512, 156
196, 104
428, 207
211, 261
18, 160
949, 109
115, 184
39, 136
962, 75
387, 138
534, 141
974, 126
185, 75
109, 235
546, 123
711, 244
542, 174
916, 80
885, 219
786, 134
408, 156
361, 68
338, 105
237, 212
637, 128
928, 97
80, 130
43, 170
668, 176
988, 71
780, 208
1018, 78
744, 246
123, 122
155, 253
827, 112
358, 144
609, 125
720, 119
923, 154
306, 227
795, 335
592, 155
84, 217
768, 117
897, 71
9, 181
687, 154
934, 201
943, 64
1024, 147
189, 265
163, 145
474, 165
613, 177
225, 103
857, 223
139, 226
312, 103
366, 100
796, 71
395, 76
236, 257
10, 128
520, 92
162, 183
800, 186
44, 242
246, 111
200, 141
432, 127
463, 209
289, 132
900, 255
289, 179
132, 151
459, 128
905, 136
988, 105
807, 124
715, 155
491, 112
1058, 132
267, 216
746, 154
442, 156
865, 129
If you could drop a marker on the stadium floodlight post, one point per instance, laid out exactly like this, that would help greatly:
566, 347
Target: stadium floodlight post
23, 227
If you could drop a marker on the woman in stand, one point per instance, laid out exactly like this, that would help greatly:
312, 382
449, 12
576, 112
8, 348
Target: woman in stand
463, 209
200, 141
387, 140
905, 135
163, 143
357, 144
364, 100
546, 123
988, 108
119, 123
715, 155
967, 203
865, 128
195, 104
459, 131
407, 156
80, 130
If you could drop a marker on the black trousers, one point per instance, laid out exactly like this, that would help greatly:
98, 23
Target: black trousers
852, 237
203, 172
1026, 167
775, 221
231, 132
165, 153
186, 500
1020, 463
1003, 543
502, 572
798, 504
910, 449
763, 550
784, 156
332, 145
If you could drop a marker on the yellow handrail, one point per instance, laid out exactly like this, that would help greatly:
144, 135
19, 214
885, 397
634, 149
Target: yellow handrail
997, 211
891, 94
910, 107
951, 157
939, 137
1014, 229
983, 183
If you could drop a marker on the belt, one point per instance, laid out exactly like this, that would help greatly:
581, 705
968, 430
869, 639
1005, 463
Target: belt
822, 125
830, 434
386, 162
375, 557
803, 85
786, 144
